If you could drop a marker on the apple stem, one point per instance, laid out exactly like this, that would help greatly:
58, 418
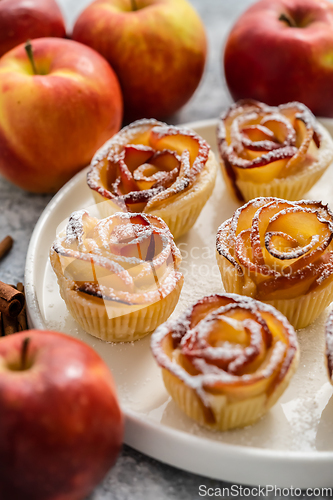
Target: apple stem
284, 18
24, 352
30, 54
134, 5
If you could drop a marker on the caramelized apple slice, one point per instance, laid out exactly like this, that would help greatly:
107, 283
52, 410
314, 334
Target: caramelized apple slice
242, 218
260, 223
303, 139
162, 170
281, 128
283, 246
128, 184
167, 138
263, 168
183, 181
245, 256
311, 234
244, 106
258, 138
180, 140
166, 160
136, 155
298, 283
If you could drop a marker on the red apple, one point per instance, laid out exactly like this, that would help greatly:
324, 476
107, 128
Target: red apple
281, 51
52, 122
60, 423
156, 47
21, 20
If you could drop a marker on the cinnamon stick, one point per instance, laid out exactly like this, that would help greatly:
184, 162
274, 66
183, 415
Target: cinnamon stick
11, 300
5, 245
9, 325
22, 316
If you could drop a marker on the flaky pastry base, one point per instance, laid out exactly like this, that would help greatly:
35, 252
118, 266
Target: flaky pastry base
300, 311
227, 415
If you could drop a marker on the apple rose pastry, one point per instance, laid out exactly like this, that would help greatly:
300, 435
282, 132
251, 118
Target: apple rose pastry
156, 169
281, 253
226, 360
118, 276
272, 151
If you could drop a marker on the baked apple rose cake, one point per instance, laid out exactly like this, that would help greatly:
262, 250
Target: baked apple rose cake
118, 276
157, 169
272, 151
280, 252
226, 360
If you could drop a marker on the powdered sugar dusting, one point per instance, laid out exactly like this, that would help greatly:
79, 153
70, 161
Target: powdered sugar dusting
127, 185
310, 261
219, 367
105, 258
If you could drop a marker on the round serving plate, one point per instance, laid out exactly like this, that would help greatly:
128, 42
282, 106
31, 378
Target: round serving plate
291, 445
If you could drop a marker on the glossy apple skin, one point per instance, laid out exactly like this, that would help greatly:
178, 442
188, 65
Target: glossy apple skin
52, 124
60, 424
158, 52
21, 20
268, 60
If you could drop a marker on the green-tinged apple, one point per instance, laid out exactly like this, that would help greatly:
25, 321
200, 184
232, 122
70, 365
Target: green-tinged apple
156, 47
281, 51
57, 109
60, 424
21, 20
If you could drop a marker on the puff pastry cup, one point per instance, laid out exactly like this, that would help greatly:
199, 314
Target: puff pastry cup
226, 360
272, 151
280, 252
119, 276
157, 169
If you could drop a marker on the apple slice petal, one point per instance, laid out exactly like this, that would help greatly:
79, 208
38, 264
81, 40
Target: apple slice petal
128, 184
244, 256
281, 128
180, 140
183, 182
166, 160
263, 168
258, 138
260, 222
162, 170
283, 246
304, 138
136, 155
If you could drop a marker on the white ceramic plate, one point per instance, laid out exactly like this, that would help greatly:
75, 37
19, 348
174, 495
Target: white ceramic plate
291, 445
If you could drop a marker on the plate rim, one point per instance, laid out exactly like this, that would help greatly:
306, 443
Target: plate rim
134, 421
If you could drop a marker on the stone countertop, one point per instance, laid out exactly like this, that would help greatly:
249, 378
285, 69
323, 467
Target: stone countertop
134, 476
